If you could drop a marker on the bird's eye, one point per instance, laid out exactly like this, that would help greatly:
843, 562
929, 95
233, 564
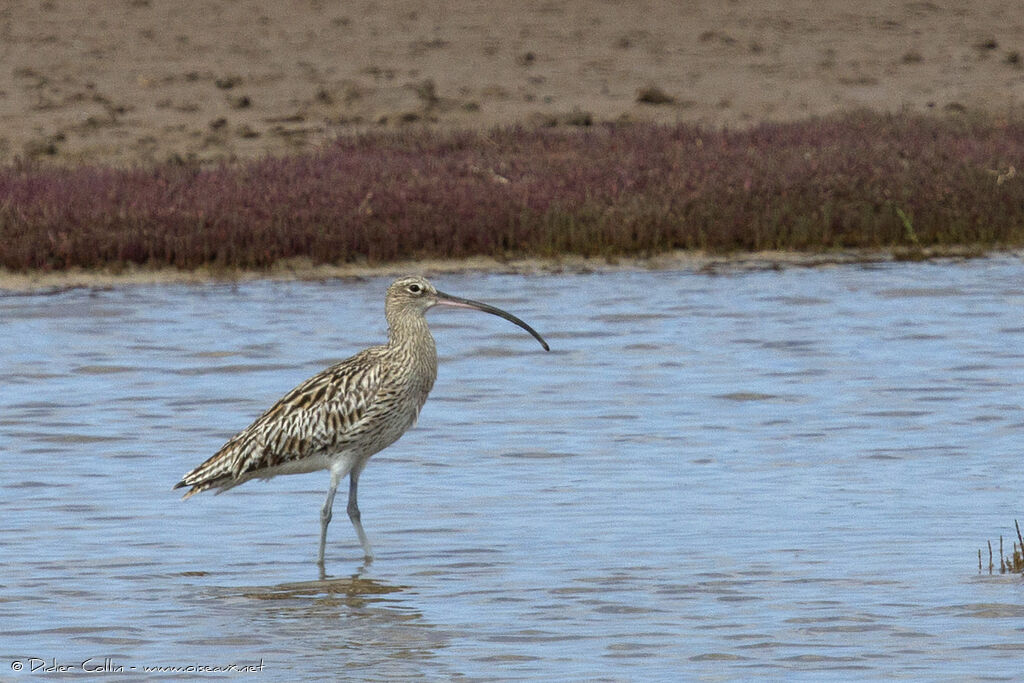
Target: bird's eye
415, 289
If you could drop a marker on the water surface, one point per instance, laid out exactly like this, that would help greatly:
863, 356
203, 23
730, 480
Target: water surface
758, 474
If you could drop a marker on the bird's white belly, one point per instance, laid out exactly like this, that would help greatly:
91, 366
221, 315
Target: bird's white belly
313, 463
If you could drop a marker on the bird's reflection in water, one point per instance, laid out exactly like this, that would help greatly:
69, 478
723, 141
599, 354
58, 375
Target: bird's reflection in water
354, 587
370, 624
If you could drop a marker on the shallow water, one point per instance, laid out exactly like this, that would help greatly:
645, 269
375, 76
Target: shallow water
757, 474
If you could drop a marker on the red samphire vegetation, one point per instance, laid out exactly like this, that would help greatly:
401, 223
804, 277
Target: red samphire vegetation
860, 180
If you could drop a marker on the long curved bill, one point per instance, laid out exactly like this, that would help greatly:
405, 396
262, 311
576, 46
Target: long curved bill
458, 302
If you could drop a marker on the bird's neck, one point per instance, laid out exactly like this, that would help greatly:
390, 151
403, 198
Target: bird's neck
410, 332
412, 346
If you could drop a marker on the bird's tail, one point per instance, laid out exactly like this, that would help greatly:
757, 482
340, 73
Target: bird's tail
214, 473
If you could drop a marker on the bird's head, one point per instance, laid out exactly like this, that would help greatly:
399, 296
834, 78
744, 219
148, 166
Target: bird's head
411, 293
415, 294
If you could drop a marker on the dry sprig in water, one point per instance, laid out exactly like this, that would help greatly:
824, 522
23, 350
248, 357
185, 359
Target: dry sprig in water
1008, 564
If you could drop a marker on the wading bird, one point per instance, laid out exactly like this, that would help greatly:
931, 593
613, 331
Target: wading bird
340, 417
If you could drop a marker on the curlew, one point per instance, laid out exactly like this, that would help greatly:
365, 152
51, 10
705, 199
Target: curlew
337, 419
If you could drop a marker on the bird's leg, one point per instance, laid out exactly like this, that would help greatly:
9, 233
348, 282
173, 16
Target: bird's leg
353, 510
325, 515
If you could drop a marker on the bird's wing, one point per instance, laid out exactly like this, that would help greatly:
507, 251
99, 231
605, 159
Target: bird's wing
313, 418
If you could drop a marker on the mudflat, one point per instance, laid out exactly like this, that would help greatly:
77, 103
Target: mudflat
136, 82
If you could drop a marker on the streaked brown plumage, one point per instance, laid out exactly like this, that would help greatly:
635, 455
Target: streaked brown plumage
340, 417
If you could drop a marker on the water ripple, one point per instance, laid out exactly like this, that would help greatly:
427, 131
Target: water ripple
756, 475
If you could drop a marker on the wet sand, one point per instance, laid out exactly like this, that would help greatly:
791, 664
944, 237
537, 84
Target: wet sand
302, 270
146, 81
